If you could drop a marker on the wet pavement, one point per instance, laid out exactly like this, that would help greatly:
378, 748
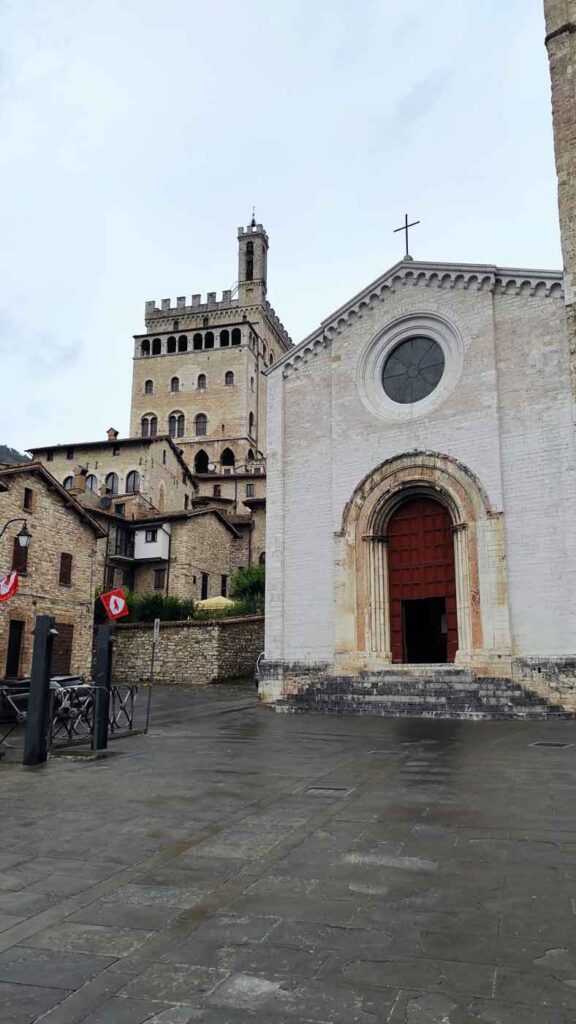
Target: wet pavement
236, 867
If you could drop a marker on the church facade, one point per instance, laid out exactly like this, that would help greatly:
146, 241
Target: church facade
421, 483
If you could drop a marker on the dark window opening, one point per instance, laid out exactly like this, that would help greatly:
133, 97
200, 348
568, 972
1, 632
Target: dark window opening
112, 483
171, 346
250, 261
28, 498
201, 461
116, 449
132, 482
229, 379
197, 342
70, 454
120, 508
217, 491
65, 569
262, 558
209, 340
201, 383
236, 336
68, 483
148, 387
157, 347
145, 347
249, 490
224, 586
228, 458
159, 579
19, 558
204, 587
151, 536
182, 343
49, 456
110, 577
201, 424
224, 339
175, 384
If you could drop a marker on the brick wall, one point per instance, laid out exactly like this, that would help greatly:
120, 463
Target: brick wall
189, 652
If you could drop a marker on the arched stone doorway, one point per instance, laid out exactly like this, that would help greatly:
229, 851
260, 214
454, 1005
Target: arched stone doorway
422, 582
363, 633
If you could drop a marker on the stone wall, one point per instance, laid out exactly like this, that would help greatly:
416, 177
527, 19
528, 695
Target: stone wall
189, 653
561, 44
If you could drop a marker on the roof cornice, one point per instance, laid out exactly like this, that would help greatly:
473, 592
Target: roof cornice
412, 273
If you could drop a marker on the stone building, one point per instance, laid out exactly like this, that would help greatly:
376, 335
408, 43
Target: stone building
421, 482
561, 44
58, 571
137, 474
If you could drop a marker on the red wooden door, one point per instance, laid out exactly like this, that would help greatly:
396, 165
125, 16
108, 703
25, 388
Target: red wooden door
421, 565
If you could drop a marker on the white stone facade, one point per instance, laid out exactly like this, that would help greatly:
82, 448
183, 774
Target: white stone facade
495, 441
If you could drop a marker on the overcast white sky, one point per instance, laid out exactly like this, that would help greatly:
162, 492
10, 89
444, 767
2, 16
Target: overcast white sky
136, 135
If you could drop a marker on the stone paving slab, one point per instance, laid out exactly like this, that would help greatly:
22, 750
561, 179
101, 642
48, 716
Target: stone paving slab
241, 867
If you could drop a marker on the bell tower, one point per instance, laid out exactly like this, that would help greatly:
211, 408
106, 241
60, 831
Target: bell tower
252, 263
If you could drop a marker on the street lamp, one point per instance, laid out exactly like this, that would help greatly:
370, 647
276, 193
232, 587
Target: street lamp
23, 537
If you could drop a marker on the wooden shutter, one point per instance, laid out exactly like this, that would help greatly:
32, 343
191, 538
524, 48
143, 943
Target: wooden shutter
65, 568
62, 650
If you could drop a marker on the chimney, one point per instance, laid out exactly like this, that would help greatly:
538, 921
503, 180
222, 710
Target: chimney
79, 481
111, 434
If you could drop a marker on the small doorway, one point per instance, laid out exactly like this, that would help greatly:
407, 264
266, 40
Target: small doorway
425, 630
15, 637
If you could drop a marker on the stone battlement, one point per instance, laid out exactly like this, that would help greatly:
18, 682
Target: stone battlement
196, 306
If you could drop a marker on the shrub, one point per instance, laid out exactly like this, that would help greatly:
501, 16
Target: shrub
147, 607
248, 584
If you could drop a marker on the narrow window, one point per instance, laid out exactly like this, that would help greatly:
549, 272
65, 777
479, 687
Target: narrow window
229, 379
217, 491
68, 483
250, 261
228, 458
157, 347
204, 587
159, 579
224, 339
153, 426
112, 483
249, 490
224, 586
186, 502
251, 423
252, 383
116, 449
148, 387
151, 536
28, 499
182, 343
175, 384
49, 456
236, 336
120, 508
201, 384
110, 576
208, 340
145, 426
175, 325
201, 424
132, 482
262, 558
197, 342
201, 461
70, 454
145, 347
128, 579
65, 569
171, 346
164, 457
91, 482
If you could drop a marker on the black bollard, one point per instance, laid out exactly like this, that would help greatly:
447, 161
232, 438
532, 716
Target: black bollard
102, 680
36, 735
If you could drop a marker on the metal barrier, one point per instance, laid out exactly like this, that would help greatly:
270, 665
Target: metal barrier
72, 713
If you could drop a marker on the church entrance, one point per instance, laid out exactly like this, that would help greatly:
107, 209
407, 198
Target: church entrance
422, 583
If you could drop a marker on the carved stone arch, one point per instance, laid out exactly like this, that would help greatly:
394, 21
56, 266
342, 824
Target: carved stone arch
361, 570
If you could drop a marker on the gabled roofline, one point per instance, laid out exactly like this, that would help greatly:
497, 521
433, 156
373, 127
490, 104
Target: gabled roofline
39, 469
122, 441
469, 276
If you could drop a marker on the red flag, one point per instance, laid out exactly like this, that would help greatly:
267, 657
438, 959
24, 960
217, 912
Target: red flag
115, 604
8, 586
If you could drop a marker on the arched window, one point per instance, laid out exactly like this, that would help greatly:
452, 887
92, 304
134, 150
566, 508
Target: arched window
262, 558
132, 482
145, 347
171, 345
271, 360
224, 339
201, 383
182, 343
176, 424
229, 379
250, 261
148, 387
175, 384
227, 458
157, 347
208, 340
149, 425
201, 461
201, 425
250, 455
197, 342
236, 336
251, 423
112, 483
91, 482
68, 482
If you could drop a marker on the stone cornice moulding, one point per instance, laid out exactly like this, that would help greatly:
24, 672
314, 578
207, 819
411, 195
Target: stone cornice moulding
410, 273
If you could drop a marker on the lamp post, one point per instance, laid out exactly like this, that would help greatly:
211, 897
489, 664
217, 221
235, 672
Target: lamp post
23, 537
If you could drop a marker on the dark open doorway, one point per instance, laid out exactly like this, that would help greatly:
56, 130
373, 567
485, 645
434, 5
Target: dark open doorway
425, 632
14, 648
